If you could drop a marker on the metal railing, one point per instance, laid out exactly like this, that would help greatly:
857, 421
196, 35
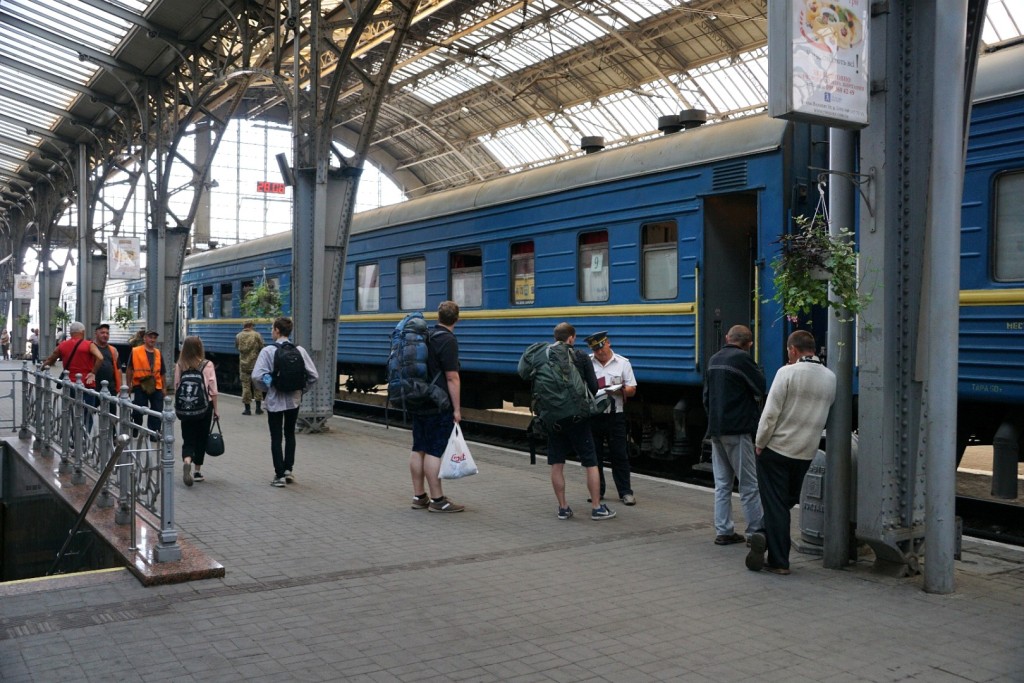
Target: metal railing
82, 427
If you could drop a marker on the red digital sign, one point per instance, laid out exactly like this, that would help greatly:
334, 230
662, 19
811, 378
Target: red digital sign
267, 186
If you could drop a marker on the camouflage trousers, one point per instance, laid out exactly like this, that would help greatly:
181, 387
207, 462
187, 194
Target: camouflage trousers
248, 392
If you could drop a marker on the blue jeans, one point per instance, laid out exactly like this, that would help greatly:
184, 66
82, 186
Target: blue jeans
732, 456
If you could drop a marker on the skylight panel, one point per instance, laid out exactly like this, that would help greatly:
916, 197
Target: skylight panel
520, 146
103, 32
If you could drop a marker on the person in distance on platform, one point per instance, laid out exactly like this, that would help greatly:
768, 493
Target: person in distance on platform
610, 428
249, 343
430, 432
574, 436
282, 406
33, 343
194, 430
145, 376
733, 389
5, 343
787, 439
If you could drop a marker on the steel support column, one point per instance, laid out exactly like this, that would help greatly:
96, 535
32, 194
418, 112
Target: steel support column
85, 263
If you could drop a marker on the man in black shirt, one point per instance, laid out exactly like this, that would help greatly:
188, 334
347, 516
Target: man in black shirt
430, 432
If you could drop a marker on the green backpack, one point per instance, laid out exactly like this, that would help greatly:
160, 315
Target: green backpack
559, 392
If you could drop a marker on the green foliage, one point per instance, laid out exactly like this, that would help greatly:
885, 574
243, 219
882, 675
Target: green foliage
810, 260
3, 321
23, 320
60, 317
123, 317
262, 301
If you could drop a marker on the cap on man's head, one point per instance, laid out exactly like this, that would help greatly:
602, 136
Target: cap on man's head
103, 326
597, 340
152, 333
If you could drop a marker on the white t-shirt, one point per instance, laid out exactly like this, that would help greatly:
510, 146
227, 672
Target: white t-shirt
618, 371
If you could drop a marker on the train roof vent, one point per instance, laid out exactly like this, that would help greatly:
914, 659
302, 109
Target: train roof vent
669, 124
729, 176
693, 118
591, 143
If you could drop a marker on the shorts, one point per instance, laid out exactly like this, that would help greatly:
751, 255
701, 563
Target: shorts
572, 438
430, 433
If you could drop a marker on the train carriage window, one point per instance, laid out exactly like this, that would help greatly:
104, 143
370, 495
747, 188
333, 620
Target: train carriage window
521, 270
593, 266
467, 277
143, 310
133, 305
660, 256
368, 287
1008, 247
197, 303
412, 284
225, 301
247, 286
208, 301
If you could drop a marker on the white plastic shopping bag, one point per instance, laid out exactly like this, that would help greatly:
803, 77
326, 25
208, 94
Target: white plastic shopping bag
457, 461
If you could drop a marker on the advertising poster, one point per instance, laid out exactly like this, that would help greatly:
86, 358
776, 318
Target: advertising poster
825, 49
123, 258
24, 287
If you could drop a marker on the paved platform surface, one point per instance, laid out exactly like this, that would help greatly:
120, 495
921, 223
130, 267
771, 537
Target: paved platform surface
335, 578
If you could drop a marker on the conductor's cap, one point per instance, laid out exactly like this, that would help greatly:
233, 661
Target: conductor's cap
597, 340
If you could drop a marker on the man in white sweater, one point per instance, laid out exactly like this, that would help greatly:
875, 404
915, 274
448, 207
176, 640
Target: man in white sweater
787, 439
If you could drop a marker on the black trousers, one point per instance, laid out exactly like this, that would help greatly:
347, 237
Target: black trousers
282, 424
779, 479
154, 401
193, 437
609, 433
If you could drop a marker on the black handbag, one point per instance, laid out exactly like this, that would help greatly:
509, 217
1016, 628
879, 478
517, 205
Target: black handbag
215, 439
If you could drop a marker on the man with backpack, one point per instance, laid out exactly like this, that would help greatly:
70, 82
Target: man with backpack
563, 386
432, 429
283, 371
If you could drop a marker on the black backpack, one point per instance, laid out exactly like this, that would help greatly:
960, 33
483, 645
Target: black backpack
190, 398
289, 368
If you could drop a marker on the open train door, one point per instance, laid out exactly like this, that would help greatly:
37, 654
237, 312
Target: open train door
728, 294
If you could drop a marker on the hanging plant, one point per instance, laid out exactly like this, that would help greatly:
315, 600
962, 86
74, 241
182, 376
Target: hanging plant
3, 321
811, 259
123, 317
23, 320
60, 317
262, 301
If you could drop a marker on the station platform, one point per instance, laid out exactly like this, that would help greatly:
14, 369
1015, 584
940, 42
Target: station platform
336, 578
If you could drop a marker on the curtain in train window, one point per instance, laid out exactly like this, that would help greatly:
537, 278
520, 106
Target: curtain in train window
367, 287
522, 273
593, 266
143, 309
225, 301
412, 284
197, 303
1008, 250
467, 277
208, 301
661, 254
133, 305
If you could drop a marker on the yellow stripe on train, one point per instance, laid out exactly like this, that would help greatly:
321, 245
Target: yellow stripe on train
992, 297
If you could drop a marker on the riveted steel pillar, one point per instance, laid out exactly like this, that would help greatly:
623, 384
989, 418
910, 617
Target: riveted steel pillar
904, 367
85, 262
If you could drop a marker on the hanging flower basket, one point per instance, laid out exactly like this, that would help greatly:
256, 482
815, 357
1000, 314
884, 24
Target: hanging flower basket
262, 301
61, 318
123, 317
810, 261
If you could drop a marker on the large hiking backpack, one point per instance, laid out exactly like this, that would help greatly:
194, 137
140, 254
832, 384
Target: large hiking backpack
409, 388
289, 372
190, 398
559, 392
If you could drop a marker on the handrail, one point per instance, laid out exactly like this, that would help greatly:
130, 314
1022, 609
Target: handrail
122, 441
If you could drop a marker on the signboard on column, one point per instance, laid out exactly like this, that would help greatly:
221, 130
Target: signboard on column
24, 287
818, 61
123, 258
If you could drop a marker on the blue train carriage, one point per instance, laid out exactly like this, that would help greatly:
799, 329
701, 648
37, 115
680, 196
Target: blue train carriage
991, 370
663, 243
213, 284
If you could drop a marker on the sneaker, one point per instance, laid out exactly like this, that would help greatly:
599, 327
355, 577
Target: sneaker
755, 558
289, 477
629, 499
186, 473
445, 505
198, 476
564, 513
278, 483
421, 502
729, 539
603, 512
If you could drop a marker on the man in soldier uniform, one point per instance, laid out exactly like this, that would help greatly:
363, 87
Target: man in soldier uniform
249, 343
